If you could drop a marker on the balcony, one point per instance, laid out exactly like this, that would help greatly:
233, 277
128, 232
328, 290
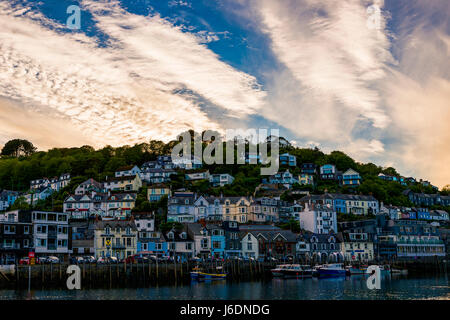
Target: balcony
10, 246
431, 241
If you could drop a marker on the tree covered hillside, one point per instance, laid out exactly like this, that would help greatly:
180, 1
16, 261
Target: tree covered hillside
19, 166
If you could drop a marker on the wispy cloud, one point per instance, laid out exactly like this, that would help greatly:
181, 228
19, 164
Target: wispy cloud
418, 91
336, 59
150, 82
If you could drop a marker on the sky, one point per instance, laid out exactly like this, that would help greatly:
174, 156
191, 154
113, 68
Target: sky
367, 77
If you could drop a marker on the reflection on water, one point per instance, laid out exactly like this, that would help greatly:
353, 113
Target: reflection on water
353, 287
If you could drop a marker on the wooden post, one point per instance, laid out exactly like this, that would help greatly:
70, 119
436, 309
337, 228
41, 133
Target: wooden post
157, 273
175, 268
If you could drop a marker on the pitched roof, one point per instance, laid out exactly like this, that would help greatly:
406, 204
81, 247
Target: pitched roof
114, 224
350, 172
126, 168
122, 178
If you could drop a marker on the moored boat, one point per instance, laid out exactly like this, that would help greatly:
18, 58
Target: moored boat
277, 272
331, 270
353, 270
399, 271
199, 275
297, 271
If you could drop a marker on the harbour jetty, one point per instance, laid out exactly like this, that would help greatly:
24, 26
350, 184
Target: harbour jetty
147, 274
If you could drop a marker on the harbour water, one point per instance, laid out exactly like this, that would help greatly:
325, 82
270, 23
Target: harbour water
349, 288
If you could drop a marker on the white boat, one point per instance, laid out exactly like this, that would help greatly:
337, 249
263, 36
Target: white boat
399, 271
277, 272
297, 271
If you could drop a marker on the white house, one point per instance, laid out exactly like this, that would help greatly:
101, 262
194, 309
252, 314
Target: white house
202, 175
250, 246
221, 179
319, 219
128, 171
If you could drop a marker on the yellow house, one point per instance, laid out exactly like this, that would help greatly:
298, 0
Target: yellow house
115, 238
306, 179
156, 191
236, 209
119, 205
123, 183
361, 205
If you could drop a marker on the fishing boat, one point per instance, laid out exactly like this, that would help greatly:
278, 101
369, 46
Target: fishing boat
277, 272
399, 271
353, 270
198, 274
297, 271
330, 270
385, 269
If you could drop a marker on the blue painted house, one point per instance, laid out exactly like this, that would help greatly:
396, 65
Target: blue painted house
288, 160
423, 214
217, 240
351, 178
155, 243
7, 198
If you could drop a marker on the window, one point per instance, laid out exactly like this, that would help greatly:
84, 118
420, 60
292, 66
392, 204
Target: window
10, 229
26, 229
188, 246
216, 245
204, 243
249, 246
41, 229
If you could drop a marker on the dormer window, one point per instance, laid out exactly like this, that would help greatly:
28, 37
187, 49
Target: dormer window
170, 235
183, 235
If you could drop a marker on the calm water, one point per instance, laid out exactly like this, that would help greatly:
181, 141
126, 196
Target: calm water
341, 289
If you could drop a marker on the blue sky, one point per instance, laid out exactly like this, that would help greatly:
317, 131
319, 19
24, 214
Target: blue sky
316, 70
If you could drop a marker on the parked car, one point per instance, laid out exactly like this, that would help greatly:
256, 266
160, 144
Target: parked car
166, 259
101, 260
24, 260
76, 260
52, 259
89, 259
235, 258
112, 260
137, 258
40, 260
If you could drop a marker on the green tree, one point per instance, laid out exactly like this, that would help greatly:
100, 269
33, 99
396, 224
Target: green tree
20, 204
17, 148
